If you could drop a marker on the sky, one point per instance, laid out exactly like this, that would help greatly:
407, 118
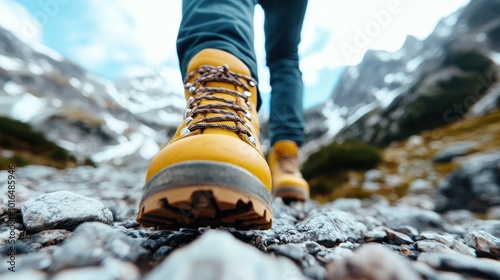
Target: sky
125, 38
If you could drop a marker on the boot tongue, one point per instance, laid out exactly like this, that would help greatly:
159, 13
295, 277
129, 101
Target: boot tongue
216, 57
286, 148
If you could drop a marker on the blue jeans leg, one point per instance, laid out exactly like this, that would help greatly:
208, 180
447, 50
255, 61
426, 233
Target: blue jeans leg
228, 25
283, 25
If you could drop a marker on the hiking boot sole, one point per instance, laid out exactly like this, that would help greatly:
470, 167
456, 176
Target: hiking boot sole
198, 194
289, 194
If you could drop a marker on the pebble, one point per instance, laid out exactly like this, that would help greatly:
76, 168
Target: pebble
486, 245
373, 175
370, 186
420, 185
62, 210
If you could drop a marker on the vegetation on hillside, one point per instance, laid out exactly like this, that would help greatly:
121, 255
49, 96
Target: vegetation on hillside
21, 145
325, 167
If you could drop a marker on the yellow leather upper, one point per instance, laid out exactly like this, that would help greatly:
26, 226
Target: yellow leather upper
214, 143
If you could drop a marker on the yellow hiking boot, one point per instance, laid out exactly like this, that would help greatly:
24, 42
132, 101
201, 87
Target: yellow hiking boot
212, 173
287, 179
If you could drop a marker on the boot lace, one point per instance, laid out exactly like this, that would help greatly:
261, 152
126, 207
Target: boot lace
227, 109
289, 164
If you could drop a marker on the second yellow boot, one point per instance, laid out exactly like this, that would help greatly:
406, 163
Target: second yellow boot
288, 182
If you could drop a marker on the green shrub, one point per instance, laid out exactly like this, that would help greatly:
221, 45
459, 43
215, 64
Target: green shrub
16, 135
16, 159
335, 157
19, 160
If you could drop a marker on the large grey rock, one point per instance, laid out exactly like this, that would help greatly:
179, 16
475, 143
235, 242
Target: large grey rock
467, 265
474, 186
456, 150
62, 210
93, 243
375, 262
330, 227
218, 255
400, 216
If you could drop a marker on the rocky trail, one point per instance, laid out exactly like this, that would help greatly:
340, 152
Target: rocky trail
79, 223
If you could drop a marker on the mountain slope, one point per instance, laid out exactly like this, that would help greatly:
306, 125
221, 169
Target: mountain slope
87, 115
425, 84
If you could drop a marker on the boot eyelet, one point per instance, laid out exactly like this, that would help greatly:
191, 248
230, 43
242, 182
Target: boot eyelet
247, 93
188, 120
185, 131
187, 113
249, 104
247, 125
251, 83
192, 89
187, 85
248, 116
251, 139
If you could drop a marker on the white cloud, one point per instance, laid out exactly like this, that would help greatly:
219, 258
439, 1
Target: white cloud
19, 21
130, 31
156, 24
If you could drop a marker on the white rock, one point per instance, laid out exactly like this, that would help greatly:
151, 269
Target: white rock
371, 186
420, 185
414, 141
218, 255
373, 175
62, 210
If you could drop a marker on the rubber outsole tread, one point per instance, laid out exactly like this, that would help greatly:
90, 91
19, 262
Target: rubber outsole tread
203, 206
